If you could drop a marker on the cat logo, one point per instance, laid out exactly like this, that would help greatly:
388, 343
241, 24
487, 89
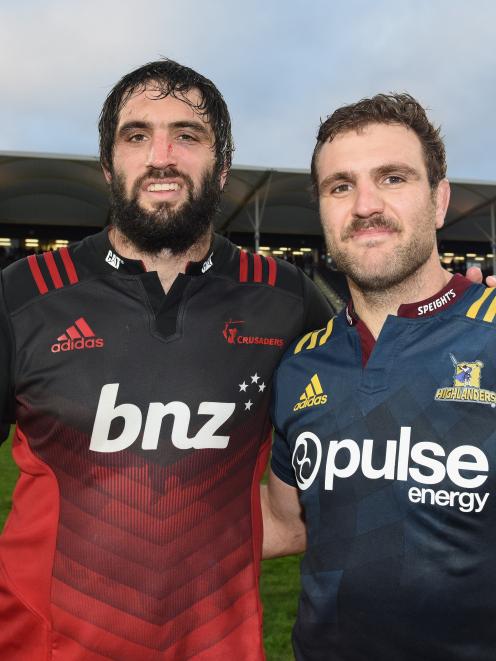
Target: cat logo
114, 260
313, 395
466, 384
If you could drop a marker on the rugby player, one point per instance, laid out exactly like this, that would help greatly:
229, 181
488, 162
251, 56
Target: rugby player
384, 461
137, 365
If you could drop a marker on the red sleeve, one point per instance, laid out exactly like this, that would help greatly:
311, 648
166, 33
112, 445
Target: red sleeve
6, 361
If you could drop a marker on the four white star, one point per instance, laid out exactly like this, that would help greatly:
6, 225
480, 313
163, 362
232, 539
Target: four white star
244, 386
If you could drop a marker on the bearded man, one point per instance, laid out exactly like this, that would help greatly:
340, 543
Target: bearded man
141, 429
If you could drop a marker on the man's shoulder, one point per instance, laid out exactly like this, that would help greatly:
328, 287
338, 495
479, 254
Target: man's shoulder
251, 268
37, 275
479, 304
314, 344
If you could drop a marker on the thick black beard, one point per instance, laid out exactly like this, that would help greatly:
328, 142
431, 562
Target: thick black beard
165, 228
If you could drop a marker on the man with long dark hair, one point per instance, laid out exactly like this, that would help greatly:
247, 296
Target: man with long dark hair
142, 423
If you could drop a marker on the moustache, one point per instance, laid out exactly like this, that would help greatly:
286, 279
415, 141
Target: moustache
165, 173
378, 221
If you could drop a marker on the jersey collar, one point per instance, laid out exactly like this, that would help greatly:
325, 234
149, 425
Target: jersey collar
109, 260
426, 308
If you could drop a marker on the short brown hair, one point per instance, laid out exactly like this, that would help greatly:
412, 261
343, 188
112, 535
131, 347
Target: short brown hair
386, 109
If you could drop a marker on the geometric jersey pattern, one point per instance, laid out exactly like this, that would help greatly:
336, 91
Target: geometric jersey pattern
135, 531
398, 489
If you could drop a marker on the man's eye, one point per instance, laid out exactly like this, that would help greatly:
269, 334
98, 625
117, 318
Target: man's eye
342, 188
186, 137
394, 179
137, 137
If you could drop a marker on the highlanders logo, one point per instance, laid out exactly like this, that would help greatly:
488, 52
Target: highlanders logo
466, 385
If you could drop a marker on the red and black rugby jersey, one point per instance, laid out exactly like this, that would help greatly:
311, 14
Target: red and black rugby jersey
142, 432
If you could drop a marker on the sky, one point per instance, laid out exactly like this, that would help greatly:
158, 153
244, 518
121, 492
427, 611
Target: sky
282, 66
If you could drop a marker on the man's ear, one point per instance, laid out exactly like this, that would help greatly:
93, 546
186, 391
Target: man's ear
442, 201
223, 177
107, 174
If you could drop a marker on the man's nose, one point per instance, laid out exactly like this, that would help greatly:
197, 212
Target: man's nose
162, 153
368, 200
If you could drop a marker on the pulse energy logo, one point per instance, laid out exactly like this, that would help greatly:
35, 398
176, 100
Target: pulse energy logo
426, 463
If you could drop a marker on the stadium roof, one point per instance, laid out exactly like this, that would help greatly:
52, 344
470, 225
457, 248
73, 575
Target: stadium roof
61, 190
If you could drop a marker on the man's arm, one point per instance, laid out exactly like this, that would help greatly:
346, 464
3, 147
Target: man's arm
6, 388
283, 524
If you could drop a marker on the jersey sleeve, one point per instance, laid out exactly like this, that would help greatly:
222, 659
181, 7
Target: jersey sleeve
316, 313
317, 309
281, 460
6, 382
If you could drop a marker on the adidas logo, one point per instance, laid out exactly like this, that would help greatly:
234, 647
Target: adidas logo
77, 336
313, 395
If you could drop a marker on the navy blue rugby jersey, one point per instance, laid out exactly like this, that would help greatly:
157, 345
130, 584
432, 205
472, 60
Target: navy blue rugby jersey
142, 431
392, 446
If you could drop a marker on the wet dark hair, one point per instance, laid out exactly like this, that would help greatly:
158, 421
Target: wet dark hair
400, 109
175, 80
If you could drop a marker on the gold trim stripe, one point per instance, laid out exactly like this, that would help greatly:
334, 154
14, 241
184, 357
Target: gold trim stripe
313, 336
475, 307
328, 332
313, 340
302, 342
491, 311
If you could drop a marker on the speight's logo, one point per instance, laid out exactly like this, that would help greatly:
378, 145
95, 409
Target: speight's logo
466, 385
232, 334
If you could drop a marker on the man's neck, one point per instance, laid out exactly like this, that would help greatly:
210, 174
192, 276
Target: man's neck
374, 307
166, 264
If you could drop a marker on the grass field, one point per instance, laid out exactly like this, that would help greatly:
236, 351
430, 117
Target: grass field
279, 582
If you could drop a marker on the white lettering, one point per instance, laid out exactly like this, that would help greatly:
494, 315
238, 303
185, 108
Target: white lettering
113, 259
465, 501
415, 494
481, 501
436, 303
443, 498
404, 453
454, 465
387, 470
206, 436
436, 467
353, 463
107, 412
153, 425
425, 462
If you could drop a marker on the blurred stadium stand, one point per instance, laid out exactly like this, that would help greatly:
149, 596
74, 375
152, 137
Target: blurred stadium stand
48, 200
